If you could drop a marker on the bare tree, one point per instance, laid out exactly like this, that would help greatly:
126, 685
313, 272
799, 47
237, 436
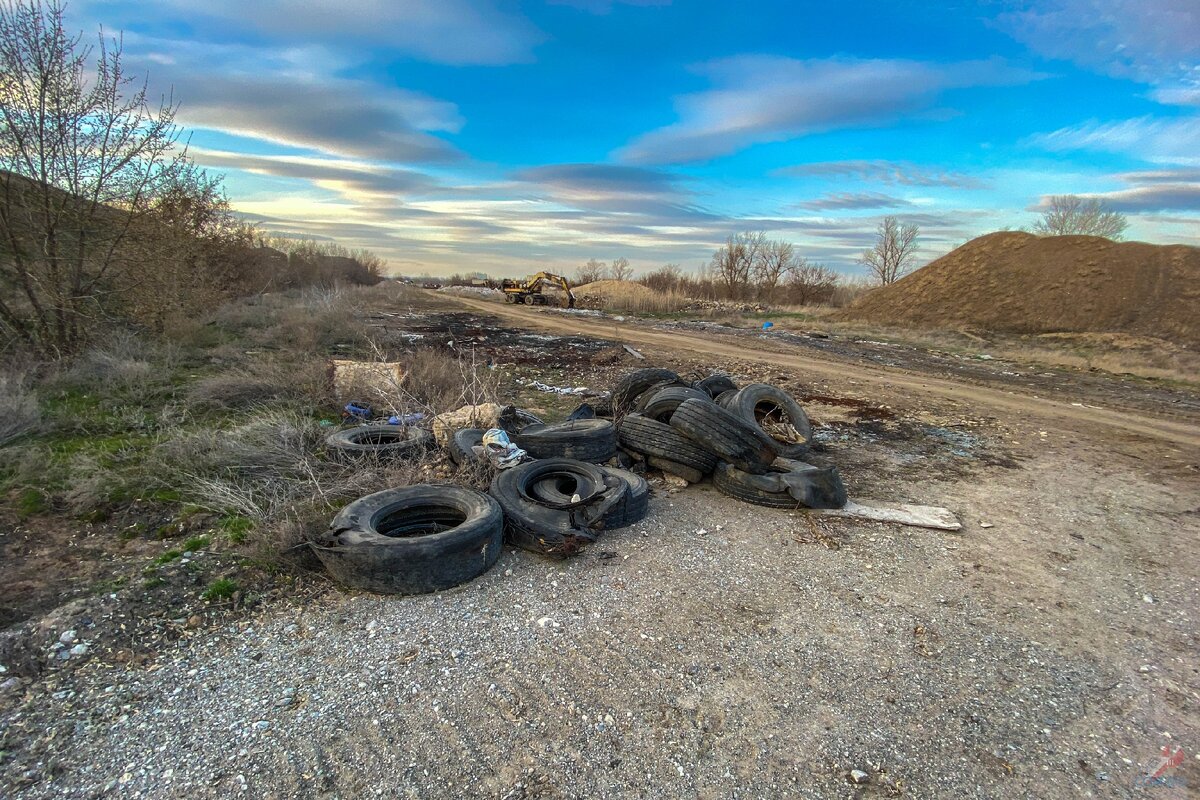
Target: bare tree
664, 279
775, 260
1068, 214
810, 283
895, 248
84, 156
620, 270
733, 264
594, 270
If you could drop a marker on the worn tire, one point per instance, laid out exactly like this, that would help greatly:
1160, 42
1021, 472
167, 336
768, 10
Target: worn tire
380, 441
546, 524
514, 420
646, 396
460, 446
593, 440
714, 385
724, 398
786, 484
756, 402
631, 510
413, 540
629, 388
644, 435
725, 435
662, 404
675, 468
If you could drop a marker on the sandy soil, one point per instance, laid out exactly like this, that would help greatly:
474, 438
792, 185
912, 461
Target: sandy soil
720, 649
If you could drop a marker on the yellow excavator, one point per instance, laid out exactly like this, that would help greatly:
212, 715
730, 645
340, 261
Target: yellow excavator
530, 291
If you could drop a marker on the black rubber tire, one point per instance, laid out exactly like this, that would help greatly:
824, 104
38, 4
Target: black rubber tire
461, 445
631, 510
529, 300
662, 404
513, 420
646, 396
644, 435
593, 440
675, 468
637, 500
380, 441
724, 398
413, 540
725, 435
754, 402
787, 484
714, 385
629, 388
548, 525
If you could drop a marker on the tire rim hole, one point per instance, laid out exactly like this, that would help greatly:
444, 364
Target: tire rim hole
378, 437
419, 521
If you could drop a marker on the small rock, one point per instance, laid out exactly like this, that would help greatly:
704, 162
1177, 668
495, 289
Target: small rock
194, 621
1147, 598
702, 532
10, 684
68, 637
1144, 668
674, 481
79, 649
986, 525
857, 776
262, 725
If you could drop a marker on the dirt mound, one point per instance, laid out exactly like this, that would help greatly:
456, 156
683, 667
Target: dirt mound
614, 289
1021, 283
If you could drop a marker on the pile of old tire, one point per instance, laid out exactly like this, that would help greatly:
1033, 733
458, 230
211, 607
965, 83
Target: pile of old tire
557, 506
593, 440
413, 540
748, 439
388, 442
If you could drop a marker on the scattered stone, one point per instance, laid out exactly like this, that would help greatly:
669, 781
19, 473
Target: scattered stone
68, 637
857, 776
194, 621
986, 525
674, 481
79, 649
262, 725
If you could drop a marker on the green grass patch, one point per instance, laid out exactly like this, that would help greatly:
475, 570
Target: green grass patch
235, 527
32, 501
153, 583
220, 589
167, 557
195, 543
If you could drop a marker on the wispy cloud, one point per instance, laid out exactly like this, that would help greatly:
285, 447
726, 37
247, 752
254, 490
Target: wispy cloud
1148, 138
889, 172
1148, 191
351, 179
1153, 41
443, 31
853, 201
758, 99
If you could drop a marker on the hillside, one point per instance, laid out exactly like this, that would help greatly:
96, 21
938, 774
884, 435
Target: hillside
1020, 283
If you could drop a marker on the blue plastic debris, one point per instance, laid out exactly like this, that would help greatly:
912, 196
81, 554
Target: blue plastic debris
357, 410
407, 419
768, 325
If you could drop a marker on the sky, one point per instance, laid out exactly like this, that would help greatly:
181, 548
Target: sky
509, 137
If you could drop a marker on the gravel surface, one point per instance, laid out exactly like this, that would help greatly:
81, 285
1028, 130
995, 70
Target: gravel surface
716, 650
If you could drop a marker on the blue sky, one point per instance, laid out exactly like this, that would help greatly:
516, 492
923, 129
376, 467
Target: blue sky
453, 135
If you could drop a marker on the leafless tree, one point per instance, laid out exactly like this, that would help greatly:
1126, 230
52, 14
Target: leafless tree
1068, 214
775, 260
84, 157
733, 264
895, 248
620, 270
594, 270
664, 279
810, 283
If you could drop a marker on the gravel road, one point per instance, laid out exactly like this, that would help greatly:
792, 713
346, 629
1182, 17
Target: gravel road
717, 650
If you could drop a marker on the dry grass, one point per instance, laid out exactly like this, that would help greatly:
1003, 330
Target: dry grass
269, 382
19, 413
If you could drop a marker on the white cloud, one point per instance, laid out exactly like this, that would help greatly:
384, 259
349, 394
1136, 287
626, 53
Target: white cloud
1157, 140
1149, 40
758, 99
442, 31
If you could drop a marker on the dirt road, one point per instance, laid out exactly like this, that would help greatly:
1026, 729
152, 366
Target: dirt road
1181, 428
717, 649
